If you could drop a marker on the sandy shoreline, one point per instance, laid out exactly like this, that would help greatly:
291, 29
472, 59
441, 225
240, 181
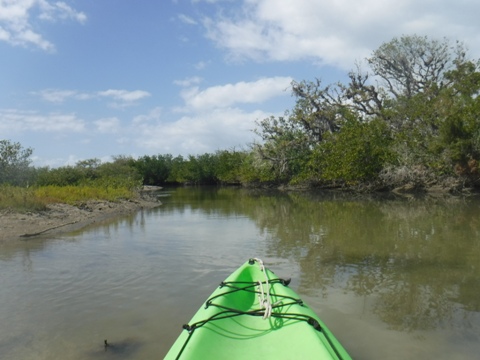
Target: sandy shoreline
63, 218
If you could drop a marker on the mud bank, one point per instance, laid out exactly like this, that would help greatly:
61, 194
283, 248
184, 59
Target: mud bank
64, 218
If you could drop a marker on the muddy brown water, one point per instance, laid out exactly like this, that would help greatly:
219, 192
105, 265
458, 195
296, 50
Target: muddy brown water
392, 278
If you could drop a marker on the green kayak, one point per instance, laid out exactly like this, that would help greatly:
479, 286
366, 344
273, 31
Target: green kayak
253, 314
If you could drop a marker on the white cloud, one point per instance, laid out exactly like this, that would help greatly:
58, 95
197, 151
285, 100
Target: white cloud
153, 115
222, 96
187, 19
107, 125
201, 65
188, 81
60, 10
14, 121
17, 19
123, 96
334, 32
218, 130
214, 121
59, 96
4, 34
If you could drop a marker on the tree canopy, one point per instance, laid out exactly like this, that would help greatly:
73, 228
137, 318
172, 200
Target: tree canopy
14, 163
416, 106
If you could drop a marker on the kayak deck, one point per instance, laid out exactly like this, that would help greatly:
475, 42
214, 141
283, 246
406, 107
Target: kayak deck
254, 314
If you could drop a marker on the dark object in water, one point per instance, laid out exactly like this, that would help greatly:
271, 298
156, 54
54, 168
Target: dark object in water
126, 347
123, 349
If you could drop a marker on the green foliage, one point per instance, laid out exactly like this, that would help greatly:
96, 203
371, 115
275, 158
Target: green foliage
177, 171
62, 176
156, 169
439, 128
459, 131
15, 163
357, 152
419, 119
430, 102
88, 180
255, 170
284, 150
229, 165
200, 169
424, 111
119, 173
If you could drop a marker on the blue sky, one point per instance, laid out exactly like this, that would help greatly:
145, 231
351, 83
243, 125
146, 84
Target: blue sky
82, 79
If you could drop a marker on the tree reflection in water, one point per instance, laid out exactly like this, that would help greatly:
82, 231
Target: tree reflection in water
417, 259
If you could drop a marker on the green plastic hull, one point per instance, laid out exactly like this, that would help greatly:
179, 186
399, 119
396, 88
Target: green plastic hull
231, 324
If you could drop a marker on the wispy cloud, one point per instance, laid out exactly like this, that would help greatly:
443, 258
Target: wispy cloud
18, 20
124, 98
201, 65
121, 98
14, 121
187, 19
107, 125
59, 96
152, 116
188, 81
60, 10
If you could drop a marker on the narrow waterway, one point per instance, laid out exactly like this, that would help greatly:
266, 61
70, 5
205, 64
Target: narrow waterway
392, 278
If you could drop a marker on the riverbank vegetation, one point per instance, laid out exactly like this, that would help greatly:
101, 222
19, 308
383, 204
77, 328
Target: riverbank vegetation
38, 197
408, 118
26, 188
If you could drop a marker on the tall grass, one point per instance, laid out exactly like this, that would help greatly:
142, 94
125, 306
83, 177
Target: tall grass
20, 199
74, 194
37, 199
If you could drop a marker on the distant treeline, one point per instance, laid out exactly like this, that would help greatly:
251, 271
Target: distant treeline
411, 118
207, 169
222, 167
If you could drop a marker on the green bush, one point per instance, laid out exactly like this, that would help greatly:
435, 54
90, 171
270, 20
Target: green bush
15, 162
154, 170
229, 164
356, 153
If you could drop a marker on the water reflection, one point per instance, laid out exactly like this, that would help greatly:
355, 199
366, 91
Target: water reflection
417, 259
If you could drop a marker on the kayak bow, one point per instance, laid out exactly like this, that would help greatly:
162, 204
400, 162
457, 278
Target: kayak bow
253, 314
